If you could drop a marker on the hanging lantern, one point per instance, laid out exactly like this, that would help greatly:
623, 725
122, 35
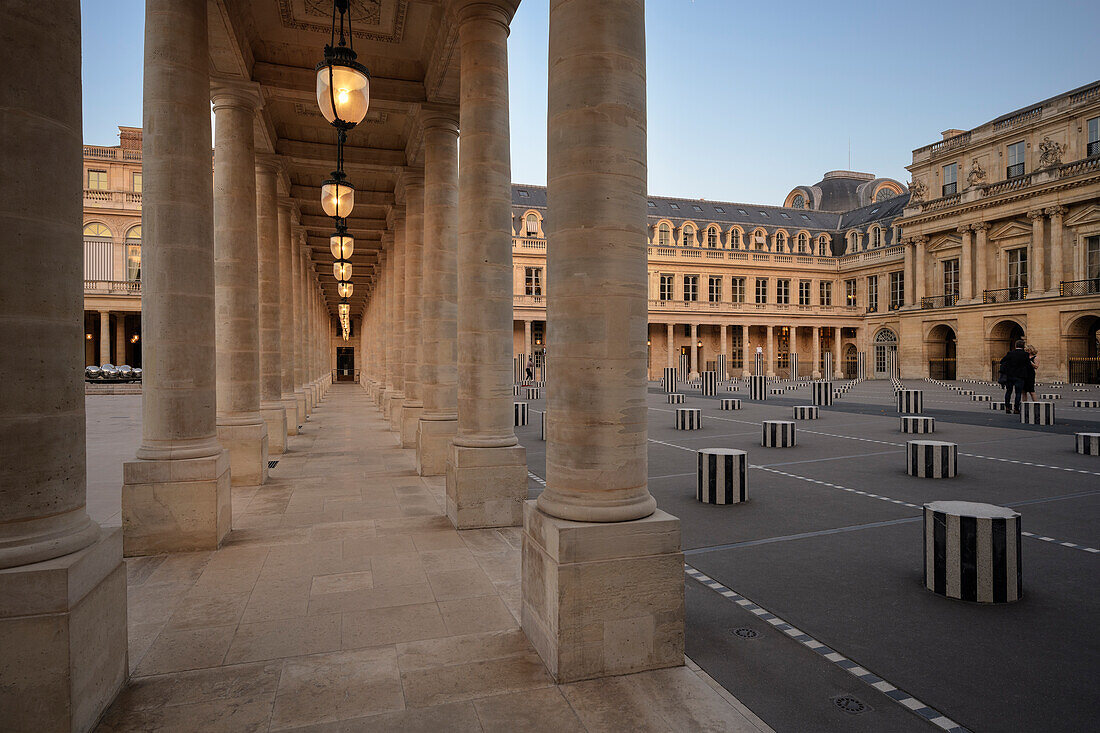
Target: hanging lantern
341, 270
341, 243
343, 84
337, 196
343, 309
345, 290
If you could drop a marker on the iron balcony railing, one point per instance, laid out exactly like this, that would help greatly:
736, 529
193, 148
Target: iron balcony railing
1084, 370
939, 301
949, 189
1093, 148
1080, 287
1004, 295
1014, 171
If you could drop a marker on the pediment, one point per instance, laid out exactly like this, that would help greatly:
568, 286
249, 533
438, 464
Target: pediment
943, 241
1010, 229
1090, 213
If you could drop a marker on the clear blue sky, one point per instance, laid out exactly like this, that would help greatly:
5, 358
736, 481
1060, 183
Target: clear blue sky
749, 99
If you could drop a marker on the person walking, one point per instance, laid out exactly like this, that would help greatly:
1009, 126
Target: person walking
530, 369
1029, 382
1014, 368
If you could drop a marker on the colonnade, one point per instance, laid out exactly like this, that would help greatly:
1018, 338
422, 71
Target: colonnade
770, 351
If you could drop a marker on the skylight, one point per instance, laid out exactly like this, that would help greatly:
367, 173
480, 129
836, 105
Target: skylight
524, 194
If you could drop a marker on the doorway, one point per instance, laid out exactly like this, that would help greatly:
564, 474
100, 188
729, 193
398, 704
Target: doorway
345, 364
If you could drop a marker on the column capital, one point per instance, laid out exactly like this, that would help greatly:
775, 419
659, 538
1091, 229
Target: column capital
499, 11
291, 208
269, 163
1037, 214
410, 178
235, 93
1058, 211
981, 226
964, 228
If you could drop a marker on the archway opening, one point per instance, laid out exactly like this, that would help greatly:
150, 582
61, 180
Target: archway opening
940, 348
886, 353
1083, 350
1001, 338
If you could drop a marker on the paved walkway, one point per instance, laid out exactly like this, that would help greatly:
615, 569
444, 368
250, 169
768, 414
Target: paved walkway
343, 600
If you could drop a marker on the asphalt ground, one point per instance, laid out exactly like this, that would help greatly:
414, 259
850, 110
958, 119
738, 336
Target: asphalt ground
830, 543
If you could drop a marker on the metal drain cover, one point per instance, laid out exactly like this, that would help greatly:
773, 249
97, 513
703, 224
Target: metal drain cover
849, 704
745, 633
272, 464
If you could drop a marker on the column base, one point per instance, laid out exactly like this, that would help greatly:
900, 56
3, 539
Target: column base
175, 506
410, 421
486, 487
387, 403
380, 397
247, 446
433, 445
63, 632
290, 407
603, 599
393, 416
274, 415
300, 399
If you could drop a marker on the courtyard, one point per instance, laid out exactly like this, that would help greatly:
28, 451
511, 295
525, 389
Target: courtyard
344, 600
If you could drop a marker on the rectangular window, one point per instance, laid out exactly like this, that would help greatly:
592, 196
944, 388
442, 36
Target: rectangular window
1094, 137
826, 292
1016, 153
761, 290
783, 292
133, 262
872, 294
737, 289
533, 280
897, 290
715, 289
691, 288
950, 179
850, 292
803, 292
135, 181
97, 180
665, 292
1017, 271
1092, 259
950, 279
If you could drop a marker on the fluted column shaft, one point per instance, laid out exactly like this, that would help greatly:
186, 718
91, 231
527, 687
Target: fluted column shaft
414, 265
670, 336
1036, 256
271, 326
981, 284
838, 367
399, 307
909, 275
966, 265
693, 349
104, 337
1057, 271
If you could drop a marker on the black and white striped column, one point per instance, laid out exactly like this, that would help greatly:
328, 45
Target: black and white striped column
822, 393
669, 382
759, 365
910, 401
827, 371
1037, 413
720, 365
972, 552
521, 413
730, 403
918, 424
1086, 403
1050, 396
861, 369
758, 387
997, 405
931, 459
1088, 444
542, 425
777, 434
675, 398
723, 476
709, 383
685, 366
980, 398
794, 365
534, 393
689, 418
805, 412
516, 390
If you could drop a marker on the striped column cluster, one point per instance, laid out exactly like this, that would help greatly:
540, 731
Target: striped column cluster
723, 476
758, 387
519, 367
730, 403
709, 383
1037, 413
822, 393
516, 390
1088, 444
675, 398
918, 424
794, 365
805, 412
972, 552
723, 375
931, 459
689, 418
733, 388
980, 398
534, 393
861, 369
1050, 396
910, 401
997, 405
778, 390
521, 413
685, 367
537, 383
1086, 403
759, 365
777, 434
966, 392
668, 383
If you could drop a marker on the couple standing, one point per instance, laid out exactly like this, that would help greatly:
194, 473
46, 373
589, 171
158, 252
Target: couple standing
1018, 375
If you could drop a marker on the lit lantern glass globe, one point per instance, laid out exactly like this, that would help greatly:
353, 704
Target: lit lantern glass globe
341, 271
343, 87
342, 245
344, 309
337, 196
345, 290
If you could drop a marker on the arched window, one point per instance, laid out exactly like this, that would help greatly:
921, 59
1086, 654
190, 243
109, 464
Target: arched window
689, 235
532, 225
98, 250
802, 244
664, 236
884, 193
97, 230
822, 246
712, 238
853, 242
736, 238
876, 237
760, 239
798, 202
133, 253
780, 242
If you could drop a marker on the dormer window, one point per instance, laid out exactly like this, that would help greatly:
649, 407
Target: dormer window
798, 202
664, 236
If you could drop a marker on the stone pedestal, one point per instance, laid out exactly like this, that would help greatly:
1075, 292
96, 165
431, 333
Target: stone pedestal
602, 599
175, 505
63, 638
393, 415
486, 487
300, 398
275, 419
433, 445
247, 446
410, 422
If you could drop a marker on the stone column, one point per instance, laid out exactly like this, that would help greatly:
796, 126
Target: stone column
966, 265
769, 351
487, 467
603, 585
981, 231
838, 365
1036, 256
909, 276
62, 579
411, 410
438, 305
693, 362
746, 351
272, 406
816, 331
528, 349
386, 258
920, 279
722, 340
1057, 265
286, 317
397, 397
301, 327
241, 427
120, 338
670, 336
104, 337
175, 495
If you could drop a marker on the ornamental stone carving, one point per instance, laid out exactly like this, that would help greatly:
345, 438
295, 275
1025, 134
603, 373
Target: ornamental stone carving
917, 191
1051, 153
976, 175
